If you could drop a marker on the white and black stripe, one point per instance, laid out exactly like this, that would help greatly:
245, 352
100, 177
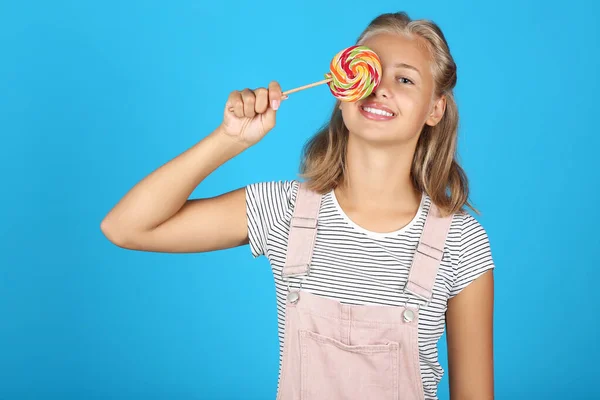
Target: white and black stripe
355, 266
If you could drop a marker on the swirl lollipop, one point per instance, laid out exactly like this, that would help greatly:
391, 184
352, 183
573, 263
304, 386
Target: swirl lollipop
354, 73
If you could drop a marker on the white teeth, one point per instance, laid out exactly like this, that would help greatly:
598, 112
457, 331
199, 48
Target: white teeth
378, 112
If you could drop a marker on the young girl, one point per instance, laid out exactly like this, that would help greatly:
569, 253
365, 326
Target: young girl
373, 254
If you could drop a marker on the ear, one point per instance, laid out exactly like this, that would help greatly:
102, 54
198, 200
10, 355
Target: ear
439, 107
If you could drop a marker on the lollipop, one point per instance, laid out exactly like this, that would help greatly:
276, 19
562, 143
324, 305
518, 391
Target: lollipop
354, 73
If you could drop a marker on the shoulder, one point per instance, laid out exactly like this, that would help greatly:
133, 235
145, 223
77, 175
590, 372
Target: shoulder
268, 205
475, 253
471, 230
282, 190
467, 238
272, 197
464, 226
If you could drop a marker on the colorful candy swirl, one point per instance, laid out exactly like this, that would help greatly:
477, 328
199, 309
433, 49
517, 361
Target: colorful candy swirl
355, 73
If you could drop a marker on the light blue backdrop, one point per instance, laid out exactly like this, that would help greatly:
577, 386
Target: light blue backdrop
95, 95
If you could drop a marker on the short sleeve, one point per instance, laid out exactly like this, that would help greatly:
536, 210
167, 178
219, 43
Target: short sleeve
475, 256
267, 204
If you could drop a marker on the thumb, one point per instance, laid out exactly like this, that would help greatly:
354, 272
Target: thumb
275, 97
271, 113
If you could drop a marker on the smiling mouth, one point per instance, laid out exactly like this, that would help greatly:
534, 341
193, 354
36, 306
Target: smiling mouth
376, 111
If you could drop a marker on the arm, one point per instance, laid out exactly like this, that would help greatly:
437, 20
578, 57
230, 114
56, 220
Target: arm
469, 324
157, 215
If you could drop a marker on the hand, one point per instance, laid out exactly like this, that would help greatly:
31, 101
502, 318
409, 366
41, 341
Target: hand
250, 114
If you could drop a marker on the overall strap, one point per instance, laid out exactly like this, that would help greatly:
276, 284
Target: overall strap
303, 231
428, 255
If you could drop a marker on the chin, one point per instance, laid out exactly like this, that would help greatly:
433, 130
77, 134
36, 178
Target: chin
378, 136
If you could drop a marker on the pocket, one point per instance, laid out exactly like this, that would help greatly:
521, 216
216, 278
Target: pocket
333, 370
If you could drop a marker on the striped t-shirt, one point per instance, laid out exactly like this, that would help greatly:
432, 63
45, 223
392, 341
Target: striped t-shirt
357, 266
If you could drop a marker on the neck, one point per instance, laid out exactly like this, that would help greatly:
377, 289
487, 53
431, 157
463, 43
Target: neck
378, 177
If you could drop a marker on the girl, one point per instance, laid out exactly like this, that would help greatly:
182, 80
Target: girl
373, 254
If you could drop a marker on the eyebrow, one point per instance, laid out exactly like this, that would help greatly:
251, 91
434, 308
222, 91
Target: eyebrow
404, 65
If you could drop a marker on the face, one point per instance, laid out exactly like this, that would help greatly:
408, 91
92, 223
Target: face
404, 100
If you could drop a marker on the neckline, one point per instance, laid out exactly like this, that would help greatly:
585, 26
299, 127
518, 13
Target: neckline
374, 234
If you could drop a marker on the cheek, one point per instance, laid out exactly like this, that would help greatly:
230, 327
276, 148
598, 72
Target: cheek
412, 104
345, 107
349, 111
407, 98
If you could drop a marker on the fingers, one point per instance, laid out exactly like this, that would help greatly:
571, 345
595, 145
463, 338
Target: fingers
249, 100
274, 95
248, 103
235, 103
262, 100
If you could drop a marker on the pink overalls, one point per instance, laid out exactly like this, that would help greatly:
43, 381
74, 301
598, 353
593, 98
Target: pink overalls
336, 351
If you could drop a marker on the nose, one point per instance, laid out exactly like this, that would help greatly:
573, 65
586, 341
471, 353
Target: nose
383, 89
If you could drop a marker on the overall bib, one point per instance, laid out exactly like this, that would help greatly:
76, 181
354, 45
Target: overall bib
337, 351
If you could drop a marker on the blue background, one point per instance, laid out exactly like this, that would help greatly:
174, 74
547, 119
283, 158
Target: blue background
96, 95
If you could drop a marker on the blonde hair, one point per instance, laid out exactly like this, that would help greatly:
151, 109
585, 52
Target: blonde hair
435, 169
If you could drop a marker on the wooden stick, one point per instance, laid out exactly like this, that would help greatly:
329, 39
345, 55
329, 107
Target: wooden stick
306, 86
287, 92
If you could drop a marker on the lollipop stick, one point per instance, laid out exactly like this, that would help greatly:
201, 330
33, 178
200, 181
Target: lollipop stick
306, 86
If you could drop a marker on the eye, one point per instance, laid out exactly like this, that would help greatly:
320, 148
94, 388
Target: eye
402, 79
